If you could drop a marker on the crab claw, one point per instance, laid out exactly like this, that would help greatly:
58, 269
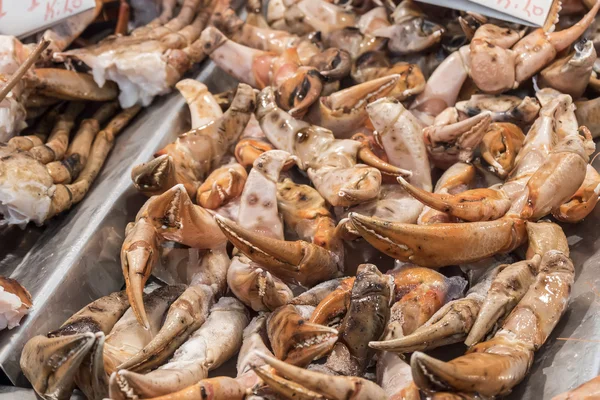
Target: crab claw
489, 374
297, 262
471, 205
344, 111
154, 177
582, 203
500, 146
219, 388
297, 341
334, 304
286, 388
333, 63
139, 254
448, 325
176, 218
442, 244
328, 386
448, 144
221, 186
368, 157
255, 287
50, 364
300, 91
248, 150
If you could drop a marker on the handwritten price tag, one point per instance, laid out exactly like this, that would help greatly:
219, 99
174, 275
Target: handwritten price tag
23, 17
526, 12
534, 11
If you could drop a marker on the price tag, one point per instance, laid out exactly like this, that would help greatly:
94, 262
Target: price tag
540, 13
23, 17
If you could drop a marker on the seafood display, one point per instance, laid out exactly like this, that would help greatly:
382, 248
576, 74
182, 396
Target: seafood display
385, 205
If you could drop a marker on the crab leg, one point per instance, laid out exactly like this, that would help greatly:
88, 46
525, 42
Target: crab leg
41, 132
496, 366
295, 340
58, 141
70, 85
207, 348
54, 377
185, 316
68, 195
128, 336
328, 386
343, 112
441, 244
68, 169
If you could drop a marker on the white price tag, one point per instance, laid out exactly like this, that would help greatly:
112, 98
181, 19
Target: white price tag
525, 12
24, 17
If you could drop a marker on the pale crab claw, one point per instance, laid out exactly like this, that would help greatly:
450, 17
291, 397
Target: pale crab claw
91, 378
185, 316
547, 188
221, 186
582, 203
248, 65
176, 218
570, 74
444, 84
325, 17
368, 157
139, 253
333, 63
286, 388
50, 364
503, 108
204, 108
503, 369
494, 367
255, 287
297, 341
500, 146
344, 112
298, 92
156, 176
544, 236
219, 388
448, 144
450, 324
491, 60
328, 386
297, 262
507, 289
471, 205
411, 32
536, 49
439, 245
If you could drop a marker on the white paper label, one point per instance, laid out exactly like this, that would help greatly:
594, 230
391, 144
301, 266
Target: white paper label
534, 11
23, 17
525, 12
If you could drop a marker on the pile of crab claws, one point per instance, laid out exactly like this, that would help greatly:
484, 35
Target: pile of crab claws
305, 384
154, 177
297, 262
50, 363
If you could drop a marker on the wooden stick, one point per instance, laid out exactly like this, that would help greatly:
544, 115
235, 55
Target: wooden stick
29, 61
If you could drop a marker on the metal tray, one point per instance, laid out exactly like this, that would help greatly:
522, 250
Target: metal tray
75, 259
